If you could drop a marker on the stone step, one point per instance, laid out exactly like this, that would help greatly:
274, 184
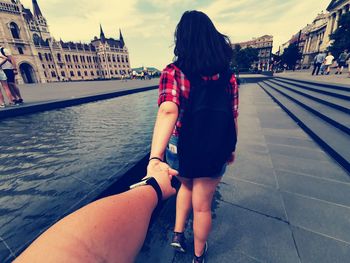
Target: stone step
342, 104
342, 94
333, 140
337, 118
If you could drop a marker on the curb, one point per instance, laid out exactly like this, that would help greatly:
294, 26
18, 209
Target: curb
53, 105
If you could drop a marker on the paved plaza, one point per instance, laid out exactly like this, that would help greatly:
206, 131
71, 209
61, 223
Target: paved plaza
39, 93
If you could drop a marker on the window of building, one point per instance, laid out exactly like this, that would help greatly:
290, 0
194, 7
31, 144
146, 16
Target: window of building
14, 30
36, 39
63, 74
45, 74
85, 73
50, 57
20, 50
46, 57
53, 74
126, 59
92, 73
122, 59
113, 58
111, 71
72, 74
118, 58
79, 73
40, 56
59, 57
43, 66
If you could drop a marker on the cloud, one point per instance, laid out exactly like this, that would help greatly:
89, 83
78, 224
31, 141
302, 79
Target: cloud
148, 25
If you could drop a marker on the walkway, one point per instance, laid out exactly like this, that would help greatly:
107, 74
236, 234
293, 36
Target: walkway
48, 96
306, 75
284, 200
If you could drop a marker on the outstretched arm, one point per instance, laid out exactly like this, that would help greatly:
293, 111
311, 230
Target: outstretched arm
165, 123
112, 229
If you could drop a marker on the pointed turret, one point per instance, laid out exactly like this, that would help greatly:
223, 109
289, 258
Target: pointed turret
36, 9
102, 34
121, 39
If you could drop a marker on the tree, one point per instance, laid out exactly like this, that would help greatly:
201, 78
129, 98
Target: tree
341, 36
291, 55
244, 58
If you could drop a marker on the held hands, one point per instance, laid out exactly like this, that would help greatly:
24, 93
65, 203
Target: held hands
163, 175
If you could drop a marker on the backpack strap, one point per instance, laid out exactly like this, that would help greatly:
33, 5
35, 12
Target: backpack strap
2, 50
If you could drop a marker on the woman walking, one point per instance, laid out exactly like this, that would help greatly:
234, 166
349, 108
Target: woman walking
197, 122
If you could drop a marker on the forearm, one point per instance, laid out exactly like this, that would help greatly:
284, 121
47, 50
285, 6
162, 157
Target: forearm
13, 61
163, 129
107, 230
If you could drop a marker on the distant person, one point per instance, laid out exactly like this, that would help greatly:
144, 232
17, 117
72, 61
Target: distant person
198, 89
318, 60
4, 84
109, 230
328, 61
10, 69
342, 60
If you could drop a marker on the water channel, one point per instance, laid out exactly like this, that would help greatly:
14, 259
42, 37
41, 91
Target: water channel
53, 162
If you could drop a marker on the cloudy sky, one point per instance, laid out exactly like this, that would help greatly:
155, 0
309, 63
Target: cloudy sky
148, 25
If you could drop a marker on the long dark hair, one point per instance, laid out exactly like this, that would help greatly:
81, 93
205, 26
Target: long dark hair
199, 47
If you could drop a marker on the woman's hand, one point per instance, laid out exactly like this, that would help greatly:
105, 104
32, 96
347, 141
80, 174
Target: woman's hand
232, 158
163, 175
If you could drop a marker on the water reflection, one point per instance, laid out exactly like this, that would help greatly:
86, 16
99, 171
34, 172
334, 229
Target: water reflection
50, 161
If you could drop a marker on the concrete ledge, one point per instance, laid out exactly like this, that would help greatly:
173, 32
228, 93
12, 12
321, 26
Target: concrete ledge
57, 104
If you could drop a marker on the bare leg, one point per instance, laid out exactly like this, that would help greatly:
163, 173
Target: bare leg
2, 101
202, 196
7, 90
183, 205
15, 90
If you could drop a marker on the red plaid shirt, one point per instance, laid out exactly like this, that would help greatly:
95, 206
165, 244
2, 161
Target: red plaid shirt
175, 87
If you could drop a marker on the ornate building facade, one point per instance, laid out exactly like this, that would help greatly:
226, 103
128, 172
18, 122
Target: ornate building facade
316, 36
314, 39
336, 9
264, 45
41, 58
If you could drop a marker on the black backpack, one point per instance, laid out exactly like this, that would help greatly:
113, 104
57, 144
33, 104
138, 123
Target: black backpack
208, 135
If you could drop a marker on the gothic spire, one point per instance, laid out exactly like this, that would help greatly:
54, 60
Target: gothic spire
121, 39
36, 9
102, 34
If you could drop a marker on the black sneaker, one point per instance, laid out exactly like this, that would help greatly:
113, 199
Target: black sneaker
20, 101
202, 257
179, 242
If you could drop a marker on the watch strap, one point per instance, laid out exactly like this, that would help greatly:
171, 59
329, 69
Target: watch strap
151, 182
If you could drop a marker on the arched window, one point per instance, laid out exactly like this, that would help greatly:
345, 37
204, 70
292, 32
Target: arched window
40, 56
59, 57
14, 30
36, 39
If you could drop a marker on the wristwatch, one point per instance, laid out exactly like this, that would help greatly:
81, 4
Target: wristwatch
152, 182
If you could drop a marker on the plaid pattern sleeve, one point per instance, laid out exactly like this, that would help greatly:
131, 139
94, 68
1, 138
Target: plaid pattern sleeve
169, 88
235, 97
